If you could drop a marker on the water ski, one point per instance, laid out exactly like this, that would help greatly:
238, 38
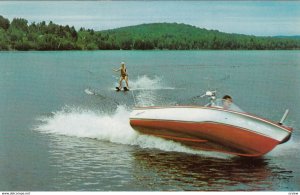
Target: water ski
124, 89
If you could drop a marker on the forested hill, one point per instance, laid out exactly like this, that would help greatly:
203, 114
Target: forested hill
182, 36
18, 34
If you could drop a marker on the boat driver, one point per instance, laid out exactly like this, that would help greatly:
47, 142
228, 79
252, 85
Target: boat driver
227, 101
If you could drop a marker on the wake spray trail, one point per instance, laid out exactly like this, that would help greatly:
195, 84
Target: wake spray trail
146, 83
113, 128
147, 90
85, 123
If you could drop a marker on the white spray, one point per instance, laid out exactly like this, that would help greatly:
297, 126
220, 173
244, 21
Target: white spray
114, 128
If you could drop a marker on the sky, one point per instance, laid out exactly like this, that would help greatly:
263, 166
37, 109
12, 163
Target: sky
260, 18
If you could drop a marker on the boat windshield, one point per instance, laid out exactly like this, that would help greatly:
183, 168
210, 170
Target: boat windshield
225, 104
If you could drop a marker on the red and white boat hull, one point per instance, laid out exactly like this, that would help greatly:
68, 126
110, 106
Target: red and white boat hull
210, 128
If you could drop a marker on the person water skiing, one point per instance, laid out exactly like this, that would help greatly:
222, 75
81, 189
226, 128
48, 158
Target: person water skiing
123, 76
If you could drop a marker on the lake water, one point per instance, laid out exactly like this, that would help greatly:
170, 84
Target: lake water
64, 128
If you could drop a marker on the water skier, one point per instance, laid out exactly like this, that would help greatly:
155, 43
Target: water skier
123, 76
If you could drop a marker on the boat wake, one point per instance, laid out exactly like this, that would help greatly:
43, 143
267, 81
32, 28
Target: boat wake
144, 82
114, 128
146, 90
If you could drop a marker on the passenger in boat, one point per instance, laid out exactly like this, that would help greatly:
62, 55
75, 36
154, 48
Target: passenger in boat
227, 101
123, 76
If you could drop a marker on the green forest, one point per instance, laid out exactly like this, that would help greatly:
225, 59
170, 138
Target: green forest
18, 34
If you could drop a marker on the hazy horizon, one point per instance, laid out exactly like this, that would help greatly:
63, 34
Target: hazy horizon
260, 18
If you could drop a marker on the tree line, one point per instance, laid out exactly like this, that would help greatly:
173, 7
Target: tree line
19, 35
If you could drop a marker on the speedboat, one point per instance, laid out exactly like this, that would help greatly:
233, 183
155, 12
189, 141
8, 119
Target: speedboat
217, 126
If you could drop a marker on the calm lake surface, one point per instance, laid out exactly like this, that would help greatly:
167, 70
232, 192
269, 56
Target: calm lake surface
64, 128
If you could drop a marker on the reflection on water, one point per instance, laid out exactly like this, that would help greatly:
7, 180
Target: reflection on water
89, 164
192, 172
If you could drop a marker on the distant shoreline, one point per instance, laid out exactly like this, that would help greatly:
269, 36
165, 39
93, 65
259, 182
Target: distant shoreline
156, 50
18, 35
